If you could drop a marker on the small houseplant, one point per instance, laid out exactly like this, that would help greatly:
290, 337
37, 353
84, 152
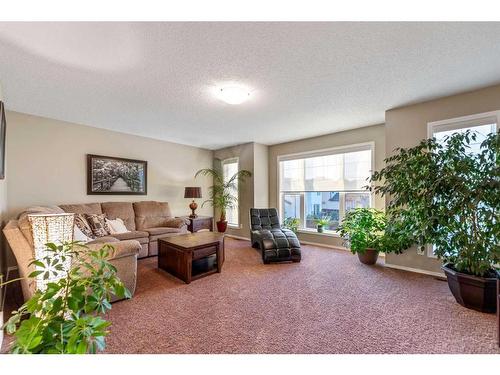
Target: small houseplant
222, 192
321, 223
363, 230
291, 223
65, 316
442, 193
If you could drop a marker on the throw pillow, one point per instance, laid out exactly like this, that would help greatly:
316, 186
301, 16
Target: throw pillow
117, 226
98, 224
82, 224
78, 235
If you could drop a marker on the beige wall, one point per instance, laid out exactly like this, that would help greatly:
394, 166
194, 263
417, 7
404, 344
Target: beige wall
406, 126
261, 176
46, 160
374, 134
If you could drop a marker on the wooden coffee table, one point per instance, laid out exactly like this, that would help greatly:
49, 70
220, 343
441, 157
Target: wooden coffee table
191, 256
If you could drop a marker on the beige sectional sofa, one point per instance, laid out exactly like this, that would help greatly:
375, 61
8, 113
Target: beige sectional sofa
146, 221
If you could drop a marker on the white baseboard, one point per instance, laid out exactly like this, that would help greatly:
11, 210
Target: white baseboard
237, 237
323, 245
416, 270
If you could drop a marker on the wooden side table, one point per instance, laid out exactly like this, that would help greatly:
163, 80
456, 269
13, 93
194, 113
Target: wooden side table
200, 222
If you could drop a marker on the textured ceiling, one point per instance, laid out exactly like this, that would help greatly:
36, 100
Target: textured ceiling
156, 79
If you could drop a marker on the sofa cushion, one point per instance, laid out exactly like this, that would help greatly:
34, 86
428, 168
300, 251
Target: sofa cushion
86, 208
155, 233
103, 240
117, 226
150, 214
98, 224
83, 225
122, 210
142, 237
162, 230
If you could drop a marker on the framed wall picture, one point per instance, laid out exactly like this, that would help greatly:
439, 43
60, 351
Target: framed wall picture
3, 127
111, 175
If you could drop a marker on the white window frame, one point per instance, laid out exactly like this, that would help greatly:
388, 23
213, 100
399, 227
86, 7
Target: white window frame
238, 216
314, 153
456, 124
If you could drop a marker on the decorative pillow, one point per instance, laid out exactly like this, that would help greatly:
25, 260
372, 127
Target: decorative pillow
82, 224
117, 226
78, 235
98, 224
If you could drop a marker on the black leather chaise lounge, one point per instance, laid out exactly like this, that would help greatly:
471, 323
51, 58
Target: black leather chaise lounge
275, 243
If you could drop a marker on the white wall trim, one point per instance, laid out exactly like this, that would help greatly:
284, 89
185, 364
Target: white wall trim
237, 237
323, 245
463, 121
416, 270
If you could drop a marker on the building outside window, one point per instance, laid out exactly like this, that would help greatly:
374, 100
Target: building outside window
324, 184
229, 168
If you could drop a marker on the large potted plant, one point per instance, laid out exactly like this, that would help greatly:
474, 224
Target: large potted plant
442, 193
362, 230
222, 193
65, 316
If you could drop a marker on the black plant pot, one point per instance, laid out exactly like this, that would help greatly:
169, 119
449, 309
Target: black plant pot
473, 292
319, 228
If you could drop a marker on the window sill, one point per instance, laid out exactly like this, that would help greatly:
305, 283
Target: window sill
315, 232
234, 226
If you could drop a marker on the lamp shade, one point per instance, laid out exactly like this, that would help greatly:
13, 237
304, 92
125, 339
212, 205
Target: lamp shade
192, 192
50, 228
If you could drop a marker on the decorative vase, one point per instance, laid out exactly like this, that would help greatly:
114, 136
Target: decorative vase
474, 292
369, 257
320, 228
221, 226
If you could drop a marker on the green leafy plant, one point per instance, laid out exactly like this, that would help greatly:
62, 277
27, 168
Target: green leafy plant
291, 223
323, 221
363, 228
221, 193
444, 194
65, 317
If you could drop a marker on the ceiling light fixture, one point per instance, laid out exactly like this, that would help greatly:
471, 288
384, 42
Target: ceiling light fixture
233, 94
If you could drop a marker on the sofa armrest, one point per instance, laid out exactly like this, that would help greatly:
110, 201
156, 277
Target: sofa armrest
176, 222
122, 248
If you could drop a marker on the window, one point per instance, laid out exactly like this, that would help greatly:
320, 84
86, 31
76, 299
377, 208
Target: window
324, 184
229, 168
483, 124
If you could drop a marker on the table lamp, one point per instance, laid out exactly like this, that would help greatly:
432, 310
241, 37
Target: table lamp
192, 192
50, 228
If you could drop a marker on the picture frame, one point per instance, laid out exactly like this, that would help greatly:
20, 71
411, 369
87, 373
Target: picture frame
109, 175
3, 129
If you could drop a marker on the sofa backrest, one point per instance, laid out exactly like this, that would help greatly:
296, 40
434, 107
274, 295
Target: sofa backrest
150, 214
84, 208
264, 218
123, 210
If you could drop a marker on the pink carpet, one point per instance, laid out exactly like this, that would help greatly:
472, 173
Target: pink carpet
328, 303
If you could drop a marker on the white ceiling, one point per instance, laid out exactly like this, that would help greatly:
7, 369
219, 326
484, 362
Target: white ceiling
155, 79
